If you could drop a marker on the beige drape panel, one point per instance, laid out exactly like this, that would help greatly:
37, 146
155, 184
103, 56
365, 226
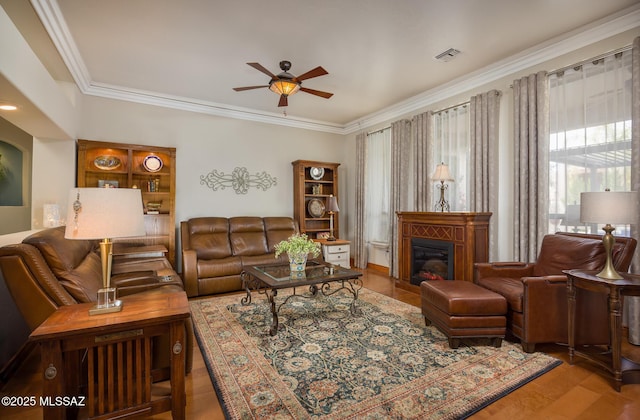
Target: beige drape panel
635, 140
422, 140
531, 138
400, 167
359, 244
632, 304
483, 174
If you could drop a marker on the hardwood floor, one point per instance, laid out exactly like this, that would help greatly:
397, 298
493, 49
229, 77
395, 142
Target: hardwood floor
581, 391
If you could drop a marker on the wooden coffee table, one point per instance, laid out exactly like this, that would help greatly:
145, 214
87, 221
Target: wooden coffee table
318, 276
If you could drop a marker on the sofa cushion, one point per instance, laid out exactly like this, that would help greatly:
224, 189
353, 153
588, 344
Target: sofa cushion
511, 288
247, 236
219, 267
278, 229
209, 237
73, 262
562, 252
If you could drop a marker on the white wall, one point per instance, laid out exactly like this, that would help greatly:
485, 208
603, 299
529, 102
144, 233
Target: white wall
54, 174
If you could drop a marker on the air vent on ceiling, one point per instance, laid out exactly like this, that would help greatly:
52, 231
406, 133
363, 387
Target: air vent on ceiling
447, 55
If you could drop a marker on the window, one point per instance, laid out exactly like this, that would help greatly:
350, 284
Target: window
378, 183
590, 142
452, 146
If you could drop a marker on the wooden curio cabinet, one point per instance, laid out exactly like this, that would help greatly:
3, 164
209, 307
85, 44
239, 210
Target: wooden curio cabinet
313, 183
151, 169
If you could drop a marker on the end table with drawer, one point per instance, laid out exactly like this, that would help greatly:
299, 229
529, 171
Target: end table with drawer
336, 252
118, 350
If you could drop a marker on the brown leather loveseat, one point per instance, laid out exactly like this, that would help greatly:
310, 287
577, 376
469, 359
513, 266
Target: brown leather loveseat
215, 250
47, 271
536, 293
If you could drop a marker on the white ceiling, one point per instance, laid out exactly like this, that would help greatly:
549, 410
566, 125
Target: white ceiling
379, 53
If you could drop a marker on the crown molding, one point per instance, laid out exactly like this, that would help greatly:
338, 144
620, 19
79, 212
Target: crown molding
53, 21
51, 17
108, 91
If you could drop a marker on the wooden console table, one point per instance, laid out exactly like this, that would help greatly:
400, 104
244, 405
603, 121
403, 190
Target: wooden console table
468, 231
118, 358
622, 369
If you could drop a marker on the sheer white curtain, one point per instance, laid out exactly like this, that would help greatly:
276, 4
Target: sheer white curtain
377, 186
590, 140
635, 152
451, 145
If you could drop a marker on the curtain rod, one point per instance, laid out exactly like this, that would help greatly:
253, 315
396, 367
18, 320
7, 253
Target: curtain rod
379, 130
451, 107
590, 60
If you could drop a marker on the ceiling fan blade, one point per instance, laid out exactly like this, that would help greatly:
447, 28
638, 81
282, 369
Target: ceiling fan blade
318, 71
283, 100
326, 95
259, 67
238, 89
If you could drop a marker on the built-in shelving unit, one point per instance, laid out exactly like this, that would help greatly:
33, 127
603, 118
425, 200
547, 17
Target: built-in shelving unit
149, 168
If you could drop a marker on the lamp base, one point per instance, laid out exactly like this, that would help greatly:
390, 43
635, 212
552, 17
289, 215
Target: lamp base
107, 302
608, 272
331, 238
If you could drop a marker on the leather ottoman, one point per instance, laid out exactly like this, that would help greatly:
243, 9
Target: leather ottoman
461, 309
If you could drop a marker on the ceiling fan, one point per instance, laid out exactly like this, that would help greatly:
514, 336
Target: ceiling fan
285, 84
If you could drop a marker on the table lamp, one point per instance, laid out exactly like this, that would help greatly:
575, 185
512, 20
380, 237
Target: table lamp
105, 213
442, 174
606, 207
332, 207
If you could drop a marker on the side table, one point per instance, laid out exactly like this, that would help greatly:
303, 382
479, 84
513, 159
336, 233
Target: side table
622, 369
336, 252
118, 356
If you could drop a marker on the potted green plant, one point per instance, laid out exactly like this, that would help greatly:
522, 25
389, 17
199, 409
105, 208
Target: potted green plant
298, 247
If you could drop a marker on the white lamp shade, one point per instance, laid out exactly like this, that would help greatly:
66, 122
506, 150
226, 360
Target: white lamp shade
442, 173
105, 213
613, 207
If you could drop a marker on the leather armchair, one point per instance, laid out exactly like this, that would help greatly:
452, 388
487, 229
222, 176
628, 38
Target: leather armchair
536, 292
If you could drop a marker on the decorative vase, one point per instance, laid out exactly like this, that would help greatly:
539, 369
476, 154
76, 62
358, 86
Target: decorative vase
297, 262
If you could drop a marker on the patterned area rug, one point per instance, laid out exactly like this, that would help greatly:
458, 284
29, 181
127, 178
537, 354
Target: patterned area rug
326, 363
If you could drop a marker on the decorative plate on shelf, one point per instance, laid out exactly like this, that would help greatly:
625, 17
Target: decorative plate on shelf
107, 163
315, 207
316, 173
152, 163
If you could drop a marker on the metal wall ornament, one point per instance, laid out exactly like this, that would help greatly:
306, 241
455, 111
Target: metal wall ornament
240, 180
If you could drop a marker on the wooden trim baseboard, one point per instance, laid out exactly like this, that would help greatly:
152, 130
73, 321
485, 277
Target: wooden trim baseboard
376, 267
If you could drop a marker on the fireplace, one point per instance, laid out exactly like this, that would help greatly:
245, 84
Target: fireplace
467, 234
431, 260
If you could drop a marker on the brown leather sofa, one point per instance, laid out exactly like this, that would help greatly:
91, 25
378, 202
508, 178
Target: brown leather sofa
215, 250
536, 292
47, 271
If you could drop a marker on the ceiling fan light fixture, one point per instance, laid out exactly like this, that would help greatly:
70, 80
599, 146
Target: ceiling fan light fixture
284, 87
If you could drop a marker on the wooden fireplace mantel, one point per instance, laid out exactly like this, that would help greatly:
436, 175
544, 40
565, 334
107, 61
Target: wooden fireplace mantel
469, 232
